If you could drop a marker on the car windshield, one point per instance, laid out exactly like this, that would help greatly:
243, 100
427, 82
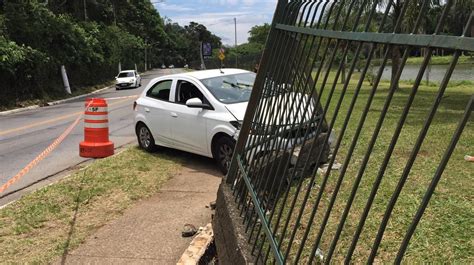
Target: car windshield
231, 88
126, 74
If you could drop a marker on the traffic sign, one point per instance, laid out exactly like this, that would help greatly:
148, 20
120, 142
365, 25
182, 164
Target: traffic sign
221, 56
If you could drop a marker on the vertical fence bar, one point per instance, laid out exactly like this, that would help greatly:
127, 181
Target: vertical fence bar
420, 139
271, 182
319, 122
435, 180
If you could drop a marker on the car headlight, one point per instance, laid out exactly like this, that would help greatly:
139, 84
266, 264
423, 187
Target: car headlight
263, 129
236, 124
257, 128
133, 80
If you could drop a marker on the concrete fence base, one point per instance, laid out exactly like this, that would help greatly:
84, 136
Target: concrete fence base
229, 233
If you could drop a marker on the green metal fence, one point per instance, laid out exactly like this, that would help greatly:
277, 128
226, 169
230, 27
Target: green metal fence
333, 164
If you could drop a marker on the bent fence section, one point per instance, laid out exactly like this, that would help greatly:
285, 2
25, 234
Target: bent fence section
335, 164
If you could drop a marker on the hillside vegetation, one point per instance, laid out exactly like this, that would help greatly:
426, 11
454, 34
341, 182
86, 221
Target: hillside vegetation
37, 37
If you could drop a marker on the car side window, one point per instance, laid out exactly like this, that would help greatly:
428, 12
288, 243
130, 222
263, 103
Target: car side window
187, 90
160, 90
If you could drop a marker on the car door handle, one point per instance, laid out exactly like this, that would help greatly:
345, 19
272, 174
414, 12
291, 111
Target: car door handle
147, 109
174, 115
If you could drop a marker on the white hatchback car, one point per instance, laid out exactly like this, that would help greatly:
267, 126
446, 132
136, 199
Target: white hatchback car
198, 112
201, 112
127, 78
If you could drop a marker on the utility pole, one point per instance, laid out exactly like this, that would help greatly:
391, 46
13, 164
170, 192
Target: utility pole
85, 10
145, 57
115, 15
203, 65
235, 46
235, 30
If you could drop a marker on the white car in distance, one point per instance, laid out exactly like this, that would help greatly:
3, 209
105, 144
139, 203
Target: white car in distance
127, 79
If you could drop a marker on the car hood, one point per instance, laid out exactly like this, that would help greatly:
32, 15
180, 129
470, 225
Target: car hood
237, 109
288, 101
125, 79
288, 108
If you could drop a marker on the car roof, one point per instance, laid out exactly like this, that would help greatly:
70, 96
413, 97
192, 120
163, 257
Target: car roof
127, 71
203, 74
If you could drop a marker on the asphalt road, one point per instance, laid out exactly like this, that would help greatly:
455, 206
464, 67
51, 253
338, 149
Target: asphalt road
24, 135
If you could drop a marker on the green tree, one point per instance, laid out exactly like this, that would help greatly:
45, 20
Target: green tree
259, 33
430, 18
19, 65
90, 37
197, 33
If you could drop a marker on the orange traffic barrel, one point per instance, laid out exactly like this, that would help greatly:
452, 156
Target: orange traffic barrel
96, 130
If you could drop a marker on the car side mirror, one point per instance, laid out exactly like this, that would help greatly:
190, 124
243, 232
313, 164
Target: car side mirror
197, 103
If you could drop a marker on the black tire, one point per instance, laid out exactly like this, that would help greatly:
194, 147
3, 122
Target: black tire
222, 152
145, 138
116, 88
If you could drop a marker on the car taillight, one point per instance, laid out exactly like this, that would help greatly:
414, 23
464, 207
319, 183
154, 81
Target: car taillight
135, 106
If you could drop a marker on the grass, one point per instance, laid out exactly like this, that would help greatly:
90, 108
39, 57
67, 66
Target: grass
46, 224
445, 233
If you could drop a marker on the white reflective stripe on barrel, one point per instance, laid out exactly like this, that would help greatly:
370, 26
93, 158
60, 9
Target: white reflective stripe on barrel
97, 109
95, 117
96, 125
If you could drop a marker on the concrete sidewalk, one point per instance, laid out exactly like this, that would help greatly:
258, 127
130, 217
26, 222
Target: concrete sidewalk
150, 232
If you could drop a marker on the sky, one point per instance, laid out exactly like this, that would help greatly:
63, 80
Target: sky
218, 15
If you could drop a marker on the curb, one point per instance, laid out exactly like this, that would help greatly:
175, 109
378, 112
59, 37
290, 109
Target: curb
54, 178
198, 246
2, 113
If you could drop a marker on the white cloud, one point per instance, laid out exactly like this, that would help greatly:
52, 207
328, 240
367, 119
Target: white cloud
219, 16
222, 24
171, 7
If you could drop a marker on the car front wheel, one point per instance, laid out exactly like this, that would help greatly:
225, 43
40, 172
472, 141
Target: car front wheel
223, 150
145, 138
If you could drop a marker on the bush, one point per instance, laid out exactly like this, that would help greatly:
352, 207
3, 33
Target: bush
20, 72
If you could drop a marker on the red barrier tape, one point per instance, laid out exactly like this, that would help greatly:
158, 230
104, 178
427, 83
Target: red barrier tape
50, 148
41, 156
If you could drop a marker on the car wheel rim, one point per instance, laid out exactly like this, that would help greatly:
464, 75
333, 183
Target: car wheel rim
225, 153
145, 137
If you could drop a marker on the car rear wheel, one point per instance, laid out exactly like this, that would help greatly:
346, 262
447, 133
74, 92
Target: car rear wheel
223, 150
145, 138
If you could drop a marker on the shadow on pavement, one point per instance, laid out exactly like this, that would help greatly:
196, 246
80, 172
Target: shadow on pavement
192, 161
